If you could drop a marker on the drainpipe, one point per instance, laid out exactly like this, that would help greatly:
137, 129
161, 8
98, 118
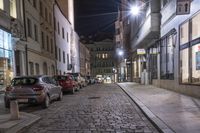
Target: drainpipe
54, 23
26, 49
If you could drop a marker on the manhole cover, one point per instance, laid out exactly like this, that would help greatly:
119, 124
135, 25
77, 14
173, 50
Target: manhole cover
94, 97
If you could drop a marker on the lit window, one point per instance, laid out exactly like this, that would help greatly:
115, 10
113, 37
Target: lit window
103, 56
1, 4
13, 11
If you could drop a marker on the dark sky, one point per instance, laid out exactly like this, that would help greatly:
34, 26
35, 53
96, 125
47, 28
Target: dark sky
93, 16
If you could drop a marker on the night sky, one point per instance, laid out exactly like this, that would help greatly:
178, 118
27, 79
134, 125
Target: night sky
93, 16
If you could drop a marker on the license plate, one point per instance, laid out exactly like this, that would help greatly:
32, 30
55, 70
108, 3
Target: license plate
22, 100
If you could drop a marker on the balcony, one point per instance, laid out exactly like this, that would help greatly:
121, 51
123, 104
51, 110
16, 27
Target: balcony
147, 30
5, 20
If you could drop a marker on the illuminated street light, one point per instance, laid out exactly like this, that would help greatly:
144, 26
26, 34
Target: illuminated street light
120, 53
135, 10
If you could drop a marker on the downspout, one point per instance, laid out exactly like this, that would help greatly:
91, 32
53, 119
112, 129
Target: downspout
26, 49
55, 52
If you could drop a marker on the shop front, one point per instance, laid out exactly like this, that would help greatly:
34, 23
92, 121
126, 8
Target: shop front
190, 51
6, 59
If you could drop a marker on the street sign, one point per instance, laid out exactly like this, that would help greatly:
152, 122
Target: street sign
183, 7
141, 51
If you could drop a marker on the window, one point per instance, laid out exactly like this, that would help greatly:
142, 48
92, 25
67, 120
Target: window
50, 21
58, 28
45, 69
59, 55
13, 11
29, 26
184, 33
36, 32
31, 68
153, 54
63, 56
41, 9
1, 4
167, 57
37, 68
63, 33
190, 51
67, 37
196, 27
56, 53
52, 46
68, 62
47, 42
46, 16
35, 4
42, 39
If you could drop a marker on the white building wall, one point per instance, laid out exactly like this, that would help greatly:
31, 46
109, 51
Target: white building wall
76, 53
173, 22
61, 42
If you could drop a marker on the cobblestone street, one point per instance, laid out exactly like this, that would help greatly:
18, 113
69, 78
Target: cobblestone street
97, 108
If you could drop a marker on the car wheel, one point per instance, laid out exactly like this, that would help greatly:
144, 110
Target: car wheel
60, 96
46, 102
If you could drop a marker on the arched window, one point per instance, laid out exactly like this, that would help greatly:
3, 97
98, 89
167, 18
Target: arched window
45, 69
52, 69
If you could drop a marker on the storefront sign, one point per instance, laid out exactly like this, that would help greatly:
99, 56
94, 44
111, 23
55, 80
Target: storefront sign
183, 7
141, 51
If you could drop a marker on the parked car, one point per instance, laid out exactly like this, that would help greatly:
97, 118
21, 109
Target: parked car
32, 90
81, 81
67, 83
90, 80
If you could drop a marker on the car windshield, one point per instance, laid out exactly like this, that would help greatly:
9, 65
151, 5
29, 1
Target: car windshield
74, 74
57, 78
23, 81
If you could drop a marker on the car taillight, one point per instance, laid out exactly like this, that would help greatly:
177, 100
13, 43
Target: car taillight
38, 88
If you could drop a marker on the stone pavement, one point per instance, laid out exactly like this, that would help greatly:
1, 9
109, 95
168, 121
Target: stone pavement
100, 108
171, 111
13, 126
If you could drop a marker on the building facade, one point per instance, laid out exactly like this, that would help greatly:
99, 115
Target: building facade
102, 59
84, 60
179, 49
12, 37
169, 45
67, 8
48, 59
62, 39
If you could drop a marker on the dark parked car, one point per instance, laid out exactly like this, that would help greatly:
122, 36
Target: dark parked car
33, 89
67, 83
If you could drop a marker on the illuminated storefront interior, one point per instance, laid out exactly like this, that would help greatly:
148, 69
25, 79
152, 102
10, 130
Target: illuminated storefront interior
6, 60
190, 51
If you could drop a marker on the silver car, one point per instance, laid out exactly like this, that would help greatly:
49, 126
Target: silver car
33, 89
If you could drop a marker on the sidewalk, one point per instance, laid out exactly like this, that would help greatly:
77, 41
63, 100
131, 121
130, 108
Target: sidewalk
14, 126
168, 110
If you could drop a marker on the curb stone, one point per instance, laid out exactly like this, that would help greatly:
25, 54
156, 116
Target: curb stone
158, 123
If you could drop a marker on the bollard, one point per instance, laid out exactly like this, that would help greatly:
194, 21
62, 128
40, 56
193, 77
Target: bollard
14, 110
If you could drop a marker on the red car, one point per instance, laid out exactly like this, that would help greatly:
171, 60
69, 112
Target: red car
67, 83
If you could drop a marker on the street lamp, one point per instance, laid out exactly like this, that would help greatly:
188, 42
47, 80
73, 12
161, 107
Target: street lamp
134, 10
120, 52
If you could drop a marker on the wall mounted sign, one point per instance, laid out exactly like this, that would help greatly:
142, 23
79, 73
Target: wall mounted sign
183, 7
141, 51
